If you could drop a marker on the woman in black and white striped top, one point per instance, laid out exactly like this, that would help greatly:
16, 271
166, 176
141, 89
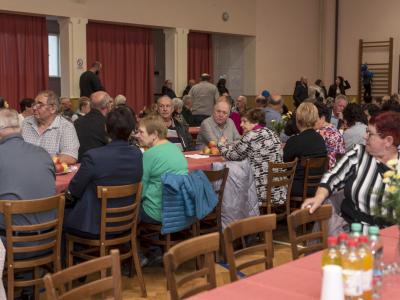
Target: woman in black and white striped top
360, 172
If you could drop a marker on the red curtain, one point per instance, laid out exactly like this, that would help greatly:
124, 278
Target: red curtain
199, 54
127, 56
24, 60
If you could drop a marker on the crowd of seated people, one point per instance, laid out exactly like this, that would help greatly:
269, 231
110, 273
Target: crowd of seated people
97, 136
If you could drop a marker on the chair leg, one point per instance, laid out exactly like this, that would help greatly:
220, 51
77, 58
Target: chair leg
36, 275
10, 282
103, 253
138, 268
69, 249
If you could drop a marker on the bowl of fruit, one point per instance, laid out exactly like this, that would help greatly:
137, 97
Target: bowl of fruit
61, 167
211, 149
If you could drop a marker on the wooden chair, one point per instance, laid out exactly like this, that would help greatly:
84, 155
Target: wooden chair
279, 175
314, 169
263, 225
204, 247
56, 283
308, 242
40, 243
118, 227
212, 222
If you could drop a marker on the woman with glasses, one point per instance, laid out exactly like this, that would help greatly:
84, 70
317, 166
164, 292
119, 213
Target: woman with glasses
360, 173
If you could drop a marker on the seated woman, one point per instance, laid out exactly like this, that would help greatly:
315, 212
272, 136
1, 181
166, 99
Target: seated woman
360, 172
356, 121
332, 136
161, 157
259, 145
117, 163
308, 143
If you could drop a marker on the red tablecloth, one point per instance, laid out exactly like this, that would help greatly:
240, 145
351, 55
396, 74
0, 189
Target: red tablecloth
62, 181
299, 279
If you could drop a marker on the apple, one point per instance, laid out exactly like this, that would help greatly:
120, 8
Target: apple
214, 151
56, 160
206, 150
65, 167
212, 144
59, 168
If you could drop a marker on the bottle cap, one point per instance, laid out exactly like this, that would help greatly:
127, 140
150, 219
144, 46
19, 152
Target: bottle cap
352, 243
356, 227
373, 230
343, 237
363, 239
332, 241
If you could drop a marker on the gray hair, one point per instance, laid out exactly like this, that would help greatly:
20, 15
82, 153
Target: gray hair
186, 99
177, 103
103, 103
165, 96
9, 118
120, 99
52, 98
341, 97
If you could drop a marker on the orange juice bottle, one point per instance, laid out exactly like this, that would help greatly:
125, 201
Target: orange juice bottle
331, 256
352, 272
368, 262
342, 241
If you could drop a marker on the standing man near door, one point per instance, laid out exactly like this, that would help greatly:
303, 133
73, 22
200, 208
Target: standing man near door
89, 81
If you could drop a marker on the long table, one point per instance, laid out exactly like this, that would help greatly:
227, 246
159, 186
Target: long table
299, 279
62, 181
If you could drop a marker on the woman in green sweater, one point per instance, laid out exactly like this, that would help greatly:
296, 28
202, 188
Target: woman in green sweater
161, 157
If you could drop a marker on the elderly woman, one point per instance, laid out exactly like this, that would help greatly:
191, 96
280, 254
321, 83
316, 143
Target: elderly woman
259, 145
308, 143
360, 172
333, 138
356, 121
161, 157
177, 104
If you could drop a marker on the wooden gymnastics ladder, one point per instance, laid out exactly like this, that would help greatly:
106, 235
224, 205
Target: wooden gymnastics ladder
382, 80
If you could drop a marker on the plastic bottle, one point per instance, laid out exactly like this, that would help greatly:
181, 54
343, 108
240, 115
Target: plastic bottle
342, 239
331, 256
367, 261
352, 272
356, 229
376, 247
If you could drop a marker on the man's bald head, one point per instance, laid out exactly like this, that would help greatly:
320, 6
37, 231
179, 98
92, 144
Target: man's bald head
100, 100
275, 99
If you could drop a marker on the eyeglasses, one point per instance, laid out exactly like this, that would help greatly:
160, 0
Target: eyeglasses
369, 133
38, 105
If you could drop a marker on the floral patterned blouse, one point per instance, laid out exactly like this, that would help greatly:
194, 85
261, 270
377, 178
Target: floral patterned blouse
259, 146
334, 142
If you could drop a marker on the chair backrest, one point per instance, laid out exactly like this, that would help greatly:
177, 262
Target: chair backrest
263, 225
204, 247
309, 241
214, 177
56, 284
314, 169
122, 218
39, 238
280, 175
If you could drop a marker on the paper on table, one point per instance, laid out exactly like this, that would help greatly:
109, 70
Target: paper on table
196, 156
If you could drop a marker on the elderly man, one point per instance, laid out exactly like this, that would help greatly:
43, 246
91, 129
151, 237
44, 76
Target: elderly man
191, 83
261, 102
187, 110
47, 129
204, 95
241, 105
273, 110
89, 82
177, 133
26, 170
91, 128
337, 111
66, 107
218, 125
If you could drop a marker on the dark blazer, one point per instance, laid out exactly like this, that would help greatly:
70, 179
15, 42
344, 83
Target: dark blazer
308, 143
332, 89
300, 93
91, 131
89, 83
118, 163
168, 92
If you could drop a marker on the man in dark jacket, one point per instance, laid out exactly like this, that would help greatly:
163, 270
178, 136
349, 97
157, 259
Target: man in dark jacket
89, 82
300, 91
91, 128
177, 133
